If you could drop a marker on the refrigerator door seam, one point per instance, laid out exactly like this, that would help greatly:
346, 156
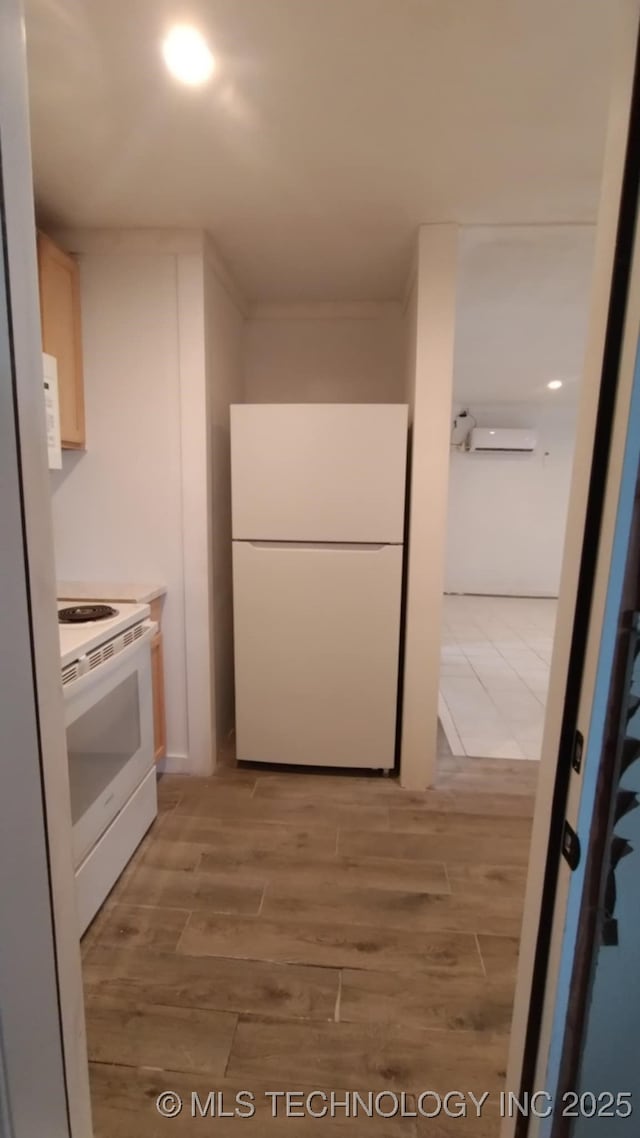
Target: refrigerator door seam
362, 545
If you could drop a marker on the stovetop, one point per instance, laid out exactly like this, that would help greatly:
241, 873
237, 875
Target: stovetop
76, 639
84, 613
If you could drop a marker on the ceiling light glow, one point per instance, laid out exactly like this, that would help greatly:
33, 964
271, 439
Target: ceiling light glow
554, 384
187, 55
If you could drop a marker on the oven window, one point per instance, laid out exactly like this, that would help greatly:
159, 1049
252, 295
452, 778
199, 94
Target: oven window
101, 742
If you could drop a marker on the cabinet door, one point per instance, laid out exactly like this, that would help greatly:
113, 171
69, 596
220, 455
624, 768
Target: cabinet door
157, 680
61, 334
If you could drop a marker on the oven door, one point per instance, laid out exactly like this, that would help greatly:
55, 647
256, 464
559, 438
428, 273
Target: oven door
109, 721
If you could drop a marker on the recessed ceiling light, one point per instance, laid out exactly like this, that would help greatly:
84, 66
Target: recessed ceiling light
554, 384
187, 55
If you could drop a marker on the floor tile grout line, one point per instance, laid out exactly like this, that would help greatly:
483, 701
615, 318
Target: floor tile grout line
336, 1010
231, 1043
191, 913
239, 818
440, 929
482, 963
262, 897
284, 964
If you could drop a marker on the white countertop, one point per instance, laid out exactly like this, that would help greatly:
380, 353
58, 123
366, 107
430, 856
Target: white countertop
123, 591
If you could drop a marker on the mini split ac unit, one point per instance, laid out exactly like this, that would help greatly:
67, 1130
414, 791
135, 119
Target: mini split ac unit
510, 440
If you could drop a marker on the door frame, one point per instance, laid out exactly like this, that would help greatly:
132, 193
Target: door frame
40, 583
50, 801
600, 446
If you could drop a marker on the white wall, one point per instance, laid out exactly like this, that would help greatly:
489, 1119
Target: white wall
521, 311
224, 325
137, 504
432, 402
324, 353
507, 513
117, 506
197, 521
521, 317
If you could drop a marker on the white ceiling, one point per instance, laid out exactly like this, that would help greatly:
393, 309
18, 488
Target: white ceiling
522, 304
332, 128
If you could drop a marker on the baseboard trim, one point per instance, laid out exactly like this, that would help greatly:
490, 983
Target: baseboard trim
173, 764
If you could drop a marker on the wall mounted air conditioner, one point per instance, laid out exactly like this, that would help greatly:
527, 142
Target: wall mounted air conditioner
510, 440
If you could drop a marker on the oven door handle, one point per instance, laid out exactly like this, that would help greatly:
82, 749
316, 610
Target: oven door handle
90, 676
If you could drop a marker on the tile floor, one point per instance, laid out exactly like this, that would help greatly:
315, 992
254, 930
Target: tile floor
494, 674
311, 932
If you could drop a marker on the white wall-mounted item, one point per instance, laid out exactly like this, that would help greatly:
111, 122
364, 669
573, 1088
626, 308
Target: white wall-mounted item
318, 513
512, 440
52, 410
463, 424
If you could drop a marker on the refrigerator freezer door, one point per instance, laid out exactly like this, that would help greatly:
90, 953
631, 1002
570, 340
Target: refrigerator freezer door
318, 472
316, 653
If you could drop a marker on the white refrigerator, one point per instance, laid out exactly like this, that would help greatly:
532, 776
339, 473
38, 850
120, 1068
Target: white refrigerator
318, 498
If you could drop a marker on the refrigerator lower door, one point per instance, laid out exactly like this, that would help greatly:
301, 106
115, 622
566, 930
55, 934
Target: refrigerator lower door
316, 632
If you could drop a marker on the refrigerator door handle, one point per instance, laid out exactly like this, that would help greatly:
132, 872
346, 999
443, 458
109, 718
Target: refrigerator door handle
366, 547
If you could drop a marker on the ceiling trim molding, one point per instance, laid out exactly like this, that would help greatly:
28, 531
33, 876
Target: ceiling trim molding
131, 240
326, 310
172, 242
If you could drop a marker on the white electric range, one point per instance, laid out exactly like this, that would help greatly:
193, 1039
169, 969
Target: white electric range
105, 660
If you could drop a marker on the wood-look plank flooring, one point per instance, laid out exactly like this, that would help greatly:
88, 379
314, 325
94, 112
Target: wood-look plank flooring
303, 931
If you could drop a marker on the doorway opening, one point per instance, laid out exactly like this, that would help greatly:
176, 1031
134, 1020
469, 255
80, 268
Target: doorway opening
522, 308
335, 934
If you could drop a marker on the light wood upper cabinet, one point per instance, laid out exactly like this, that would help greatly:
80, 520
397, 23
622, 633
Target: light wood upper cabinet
61, 334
